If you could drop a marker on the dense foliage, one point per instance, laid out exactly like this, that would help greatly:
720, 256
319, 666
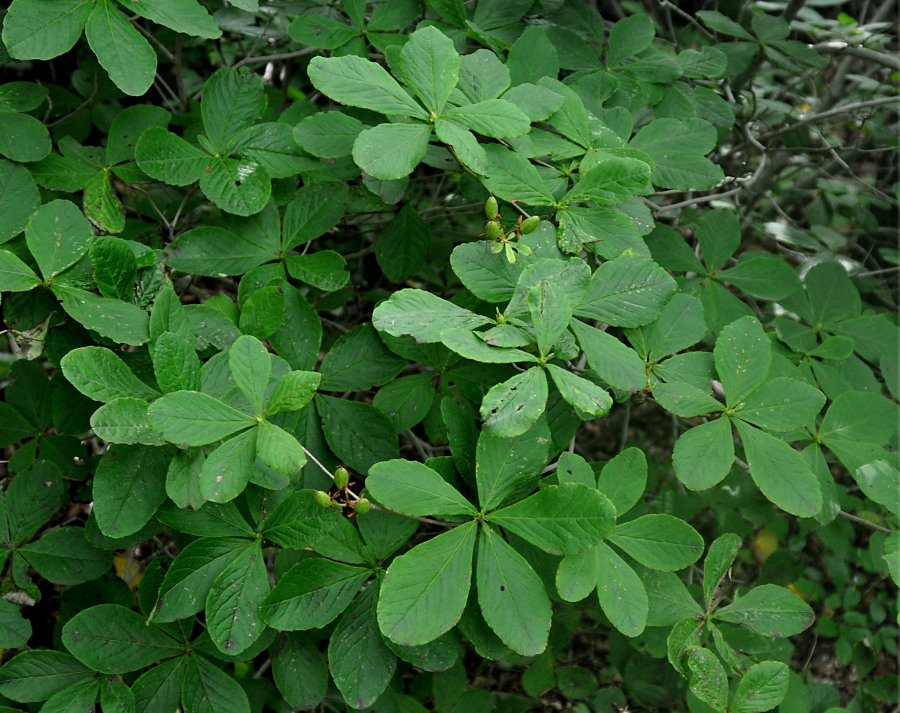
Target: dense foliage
501, 355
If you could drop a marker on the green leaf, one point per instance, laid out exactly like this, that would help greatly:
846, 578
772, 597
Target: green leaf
605, 231
237, 186
63, 556
80, 696
589, 400
250, 366
169, 158
391, 151
18, 199
709, 681
311, 594
210, 250
58, 235
321, 31
532, 56
769, 610
15, 275
278, 449
315, 209
195, 419
476, 348
328, 134
782, 404
298, 521
358, 433
293, 391
129, 485
659, 542
425, 590
561, 519
719, 236
297, 339
613, 181
403, 244
125, 420
880, 481
120, 321
488, 276
703, 455
724, 25
227, 470
187, 583
680, 325
764, 276
299, 671
354, 81
415, 489
232, 101
743, 355
463, 144
511, 407
272, 146
623, 479
232, 606
121, 50
627, 292
101, 375
781, 473
15, 630
891, 555
23, 137
856, 424
112, 639
761, 688
207, 688
37, 674
629, 37
498, 118
175, 363
31, 499
43, 29
677, 149
422, 315
512, 177
504, 464
718, 560
578, 574
621, 593
685, 399
263, 312
115, 267
550, 314
187, 16
130, 123
669, 599
430, 67
360, 662
615, 363
359, 360
511, 595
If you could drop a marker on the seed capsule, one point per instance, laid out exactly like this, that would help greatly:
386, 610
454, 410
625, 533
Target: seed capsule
323, 500
491, 208
492, 229
529, 225
341, 478
363, 506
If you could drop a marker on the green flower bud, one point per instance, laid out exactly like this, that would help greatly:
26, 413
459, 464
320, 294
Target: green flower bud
491, 208
492, 229
323, 499
341, 478
363, 506
529, 225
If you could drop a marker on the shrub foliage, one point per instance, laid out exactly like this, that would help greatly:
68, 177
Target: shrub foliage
480, 356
